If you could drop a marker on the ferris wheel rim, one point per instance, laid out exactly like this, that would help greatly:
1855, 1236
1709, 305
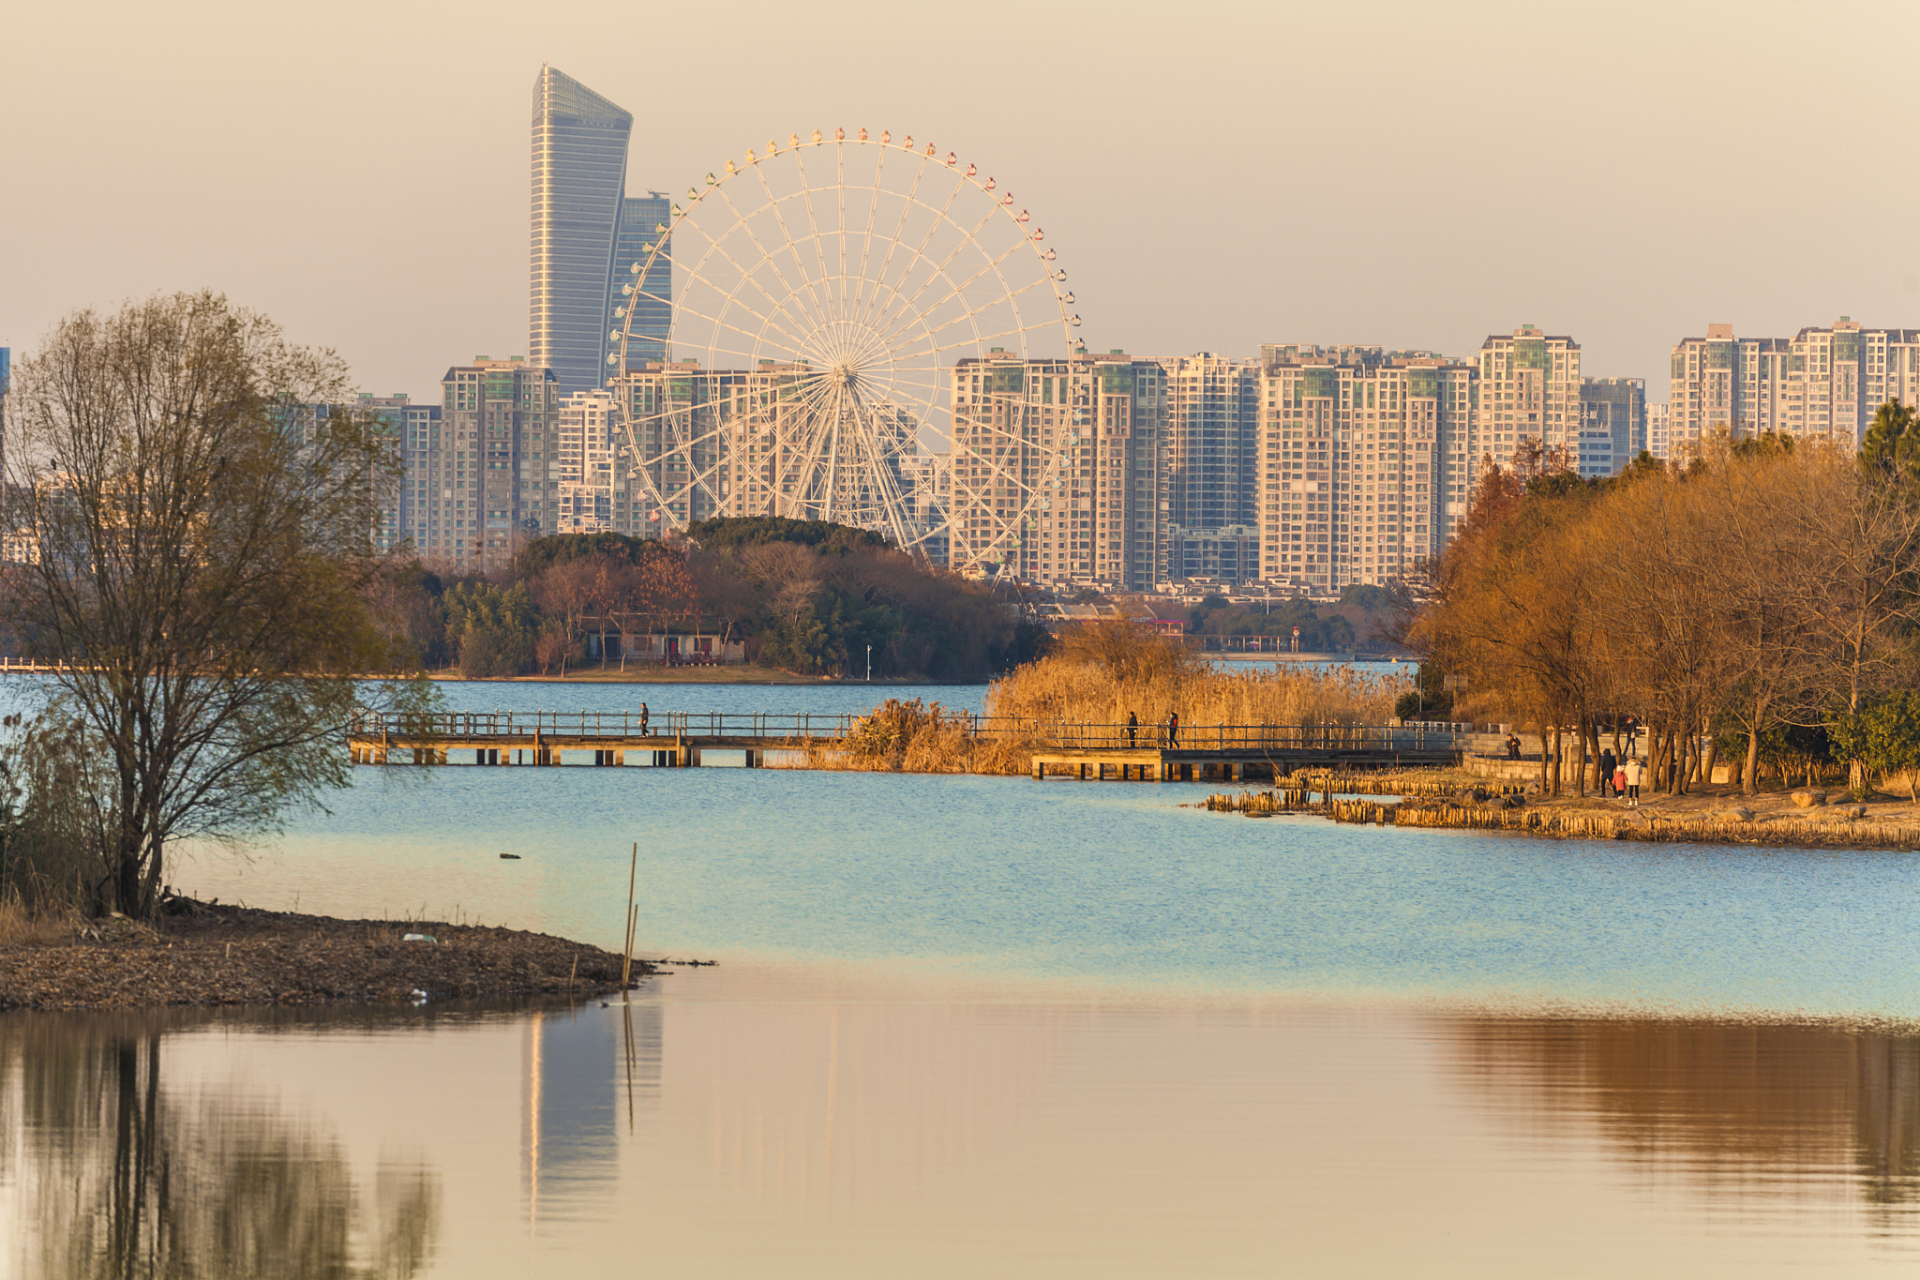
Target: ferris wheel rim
882, 309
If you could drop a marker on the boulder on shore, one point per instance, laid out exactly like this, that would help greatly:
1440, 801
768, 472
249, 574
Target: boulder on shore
1809, 799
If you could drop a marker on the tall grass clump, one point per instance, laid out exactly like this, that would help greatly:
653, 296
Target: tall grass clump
53, 824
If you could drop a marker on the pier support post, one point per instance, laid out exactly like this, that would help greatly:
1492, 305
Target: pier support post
620, 758
756, 757
1039, 771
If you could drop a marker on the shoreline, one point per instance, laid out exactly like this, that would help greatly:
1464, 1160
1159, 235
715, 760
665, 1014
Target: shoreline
213, 954
1771, 819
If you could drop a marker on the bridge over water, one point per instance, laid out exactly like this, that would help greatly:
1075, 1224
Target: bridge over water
679, 739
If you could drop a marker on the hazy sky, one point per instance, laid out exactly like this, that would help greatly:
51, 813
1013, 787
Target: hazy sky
1214, 175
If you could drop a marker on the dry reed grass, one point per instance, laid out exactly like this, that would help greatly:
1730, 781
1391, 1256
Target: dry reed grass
1101, 673
22, 925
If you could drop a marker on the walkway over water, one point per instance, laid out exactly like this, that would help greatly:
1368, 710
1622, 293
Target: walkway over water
677, 739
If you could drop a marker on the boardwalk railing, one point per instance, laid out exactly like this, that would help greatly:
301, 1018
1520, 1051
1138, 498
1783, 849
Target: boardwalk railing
1070, 735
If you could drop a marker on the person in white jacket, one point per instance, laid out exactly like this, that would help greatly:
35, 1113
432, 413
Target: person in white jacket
1634, 770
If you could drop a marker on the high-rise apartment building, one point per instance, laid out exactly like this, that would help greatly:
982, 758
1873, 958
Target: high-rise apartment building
1657, 430
1058, 471
579, 194
585, 441
1353, 444
1613, 424
1821, 383
480, 475
406, 424
1213, 441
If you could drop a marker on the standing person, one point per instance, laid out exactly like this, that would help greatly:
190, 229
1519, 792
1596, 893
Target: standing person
1133, 726
1173, 728
1513, 746
643, 719
1619, 781
1634, 770
1605, 776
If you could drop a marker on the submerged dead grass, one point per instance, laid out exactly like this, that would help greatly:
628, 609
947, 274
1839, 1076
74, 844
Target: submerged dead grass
1100, 674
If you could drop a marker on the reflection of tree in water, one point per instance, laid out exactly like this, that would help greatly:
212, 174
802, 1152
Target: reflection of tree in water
131, 1179
1732, 1101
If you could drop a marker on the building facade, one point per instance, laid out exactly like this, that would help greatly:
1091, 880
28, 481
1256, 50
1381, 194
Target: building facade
1227, 555
405, 423
482, 476
1613, 424
1353, 445
1058, 471
1823, 383
1658, 430
585, 444
579, 194
1213, 442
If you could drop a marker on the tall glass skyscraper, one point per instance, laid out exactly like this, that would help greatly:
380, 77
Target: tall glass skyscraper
579, 188
640, 220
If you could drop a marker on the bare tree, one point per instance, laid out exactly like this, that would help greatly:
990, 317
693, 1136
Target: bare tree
200, 511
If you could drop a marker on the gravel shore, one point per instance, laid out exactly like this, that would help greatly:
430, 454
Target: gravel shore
209, 954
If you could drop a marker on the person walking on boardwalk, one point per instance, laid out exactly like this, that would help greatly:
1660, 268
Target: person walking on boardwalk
1133, 727
1173, 728
1634, 770
643, 719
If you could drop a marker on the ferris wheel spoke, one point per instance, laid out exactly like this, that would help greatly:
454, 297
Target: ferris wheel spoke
743, 276
866, 242
745, 224
907, 206
820, 310
880, 470
813, 221
683, 307
942, 216
1013, 332
840, 218
958, 288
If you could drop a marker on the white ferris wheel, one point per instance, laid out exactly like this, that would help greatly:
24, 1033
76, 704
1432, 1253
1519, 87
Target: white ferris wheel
823, 294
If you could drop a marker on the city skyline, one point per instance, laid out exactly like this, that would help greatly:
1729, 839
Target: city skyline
1631, 251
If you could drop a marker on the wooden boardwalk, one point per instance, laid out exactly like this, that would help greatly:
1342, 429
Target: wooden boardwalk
1077, 749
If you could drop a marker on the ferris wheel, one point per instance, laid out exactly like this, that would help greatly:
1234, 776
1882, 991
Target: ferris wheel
795, 336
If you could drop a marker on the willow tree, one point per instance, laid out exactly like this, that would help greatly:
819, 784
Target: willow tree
196, 501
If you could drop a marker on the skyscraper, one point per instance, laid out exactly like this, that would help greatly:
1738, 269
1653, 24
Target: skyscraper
579, 194
641, 218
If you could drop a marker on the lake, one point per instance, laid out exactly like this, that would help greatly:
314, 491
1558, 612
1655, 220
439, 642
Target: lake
980, 1025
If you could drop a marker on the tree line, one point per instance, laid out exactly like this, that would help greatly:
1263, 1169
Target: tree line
1758, 604
803, 596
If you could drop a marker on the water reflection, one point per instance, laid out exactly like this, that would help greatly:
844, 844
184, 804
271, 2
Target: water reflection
1722, 1103
131, 1174
835, 1123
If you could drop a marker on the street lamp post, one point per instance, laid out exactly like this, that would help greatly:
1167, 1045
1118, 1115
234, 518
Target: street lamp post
869, 664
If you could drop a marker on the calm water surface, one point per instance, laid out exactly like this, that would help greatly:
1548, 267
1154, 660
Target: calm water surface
970, 1026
